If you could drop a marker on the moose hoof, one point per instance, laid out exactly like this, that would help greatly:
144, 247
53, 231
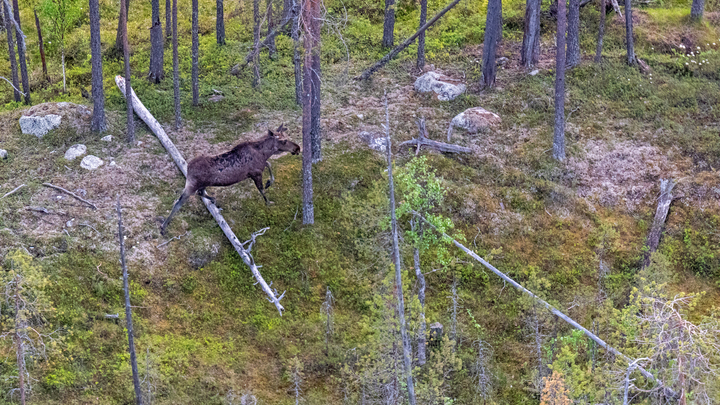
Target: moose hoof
270, 202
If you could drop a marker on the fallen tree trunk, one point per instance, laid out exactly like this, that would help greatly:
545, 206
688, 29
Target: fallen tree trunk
157, 129
441, 146
382, 62
661, 213
666, 390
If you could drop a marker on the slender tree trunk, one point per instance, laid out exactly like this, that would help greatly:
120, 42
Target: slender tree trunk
421, 343
297, 62
256, 43
20, 354
389, 24
407, 349
41, 45
128, 309
272, 49
631, 60
157, 72
123, 17
220, 22
421, 38
309, 42
62, 63
315, 132
697, 9
493, 25
531, 36
11, 51
601, 32
195, 55
176, 65
97, 122
128, 88
559, 136
21, 52
573, 35
168, 19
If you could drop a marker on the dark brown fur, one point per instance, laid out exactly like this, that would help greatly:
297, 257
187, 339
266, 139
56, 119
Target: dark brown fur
246, 160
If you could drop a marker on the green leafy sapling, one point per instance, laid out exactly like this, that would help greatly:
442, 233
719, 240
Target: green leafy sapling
63, 15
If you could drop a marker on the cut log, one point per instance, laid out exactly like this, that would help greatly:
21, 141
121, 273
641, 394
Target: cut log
158, 130
387, 58
667, 391
661, 213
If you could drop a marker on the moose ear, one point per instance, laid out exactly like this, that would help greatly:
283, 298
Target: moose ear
271, 134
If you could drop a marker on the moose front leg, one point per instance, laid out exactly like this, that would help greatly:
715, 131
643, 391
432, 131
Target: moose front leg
257, 178
272, 178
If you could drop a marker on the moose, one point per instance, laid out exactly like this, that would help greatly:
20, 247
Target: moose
246, 160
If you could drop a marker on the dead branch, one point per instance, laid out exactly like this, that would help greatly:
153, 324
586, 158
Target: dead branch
668, 391
71, 194
287, 19
661, 213
171, 239
158, 130
387, 58
13, 192
13, 86
45, 211
441, 146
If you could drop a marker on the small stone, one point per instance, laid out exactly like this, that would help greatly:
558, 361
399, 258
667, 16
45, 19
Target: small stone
91, 162
69, 223
360, 116
534, 72
216, 98
75, 151
107, 138
502, 60
3, 154
139, 143
39, 126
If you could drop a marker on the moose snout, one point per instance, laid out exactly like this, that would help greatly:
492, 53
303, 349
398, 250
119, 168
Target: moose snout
296, 151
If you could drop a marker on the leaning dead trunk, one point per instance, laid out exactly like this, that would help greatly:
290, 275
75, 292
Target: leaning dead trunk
531, 36
11, 51
389, 24
128, 310
559, 130
42, 45
493, 25
601, 32
195, 54
573, 34
97, 123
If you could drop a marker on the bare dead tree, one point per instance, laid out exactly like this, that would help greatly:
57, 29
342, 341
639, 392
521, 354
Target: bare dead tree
272, 49
256, 43
573, 34
220, 22
601, 32
392, 54
128, 309
297, 61
531, 34
315, 78
629, 41
389, 24
41, 45
310, 11
407, 348
417, 228
21, 52
421, 38
653, 240
126, 57
176, 65
156, 73
559, 129
168, 19
97, 123
195, 54
123, 17
11, 51
697, 9
326, 310
493, 25
454, 312
481, 373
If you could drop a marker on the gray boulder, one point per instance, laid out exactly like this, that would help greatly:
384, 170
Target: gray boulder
474, 120
374, 141
75, 151
445, 87
91, 162
39, 126
107, 138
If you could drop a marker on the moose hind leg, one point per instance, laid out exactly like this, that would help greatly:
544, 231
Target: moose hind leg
204, 194
180, 201
257, 178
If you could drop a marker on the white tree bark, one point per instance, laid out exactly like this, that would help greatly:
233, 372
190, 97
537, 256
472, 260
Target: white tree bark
157, 129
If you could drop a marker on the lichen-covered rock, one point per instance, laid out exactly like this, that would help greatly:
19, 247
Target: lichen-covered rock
75, 151
91, 162
3, 154
445, 87
39, 126
375, 141
107, 138
474, 120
